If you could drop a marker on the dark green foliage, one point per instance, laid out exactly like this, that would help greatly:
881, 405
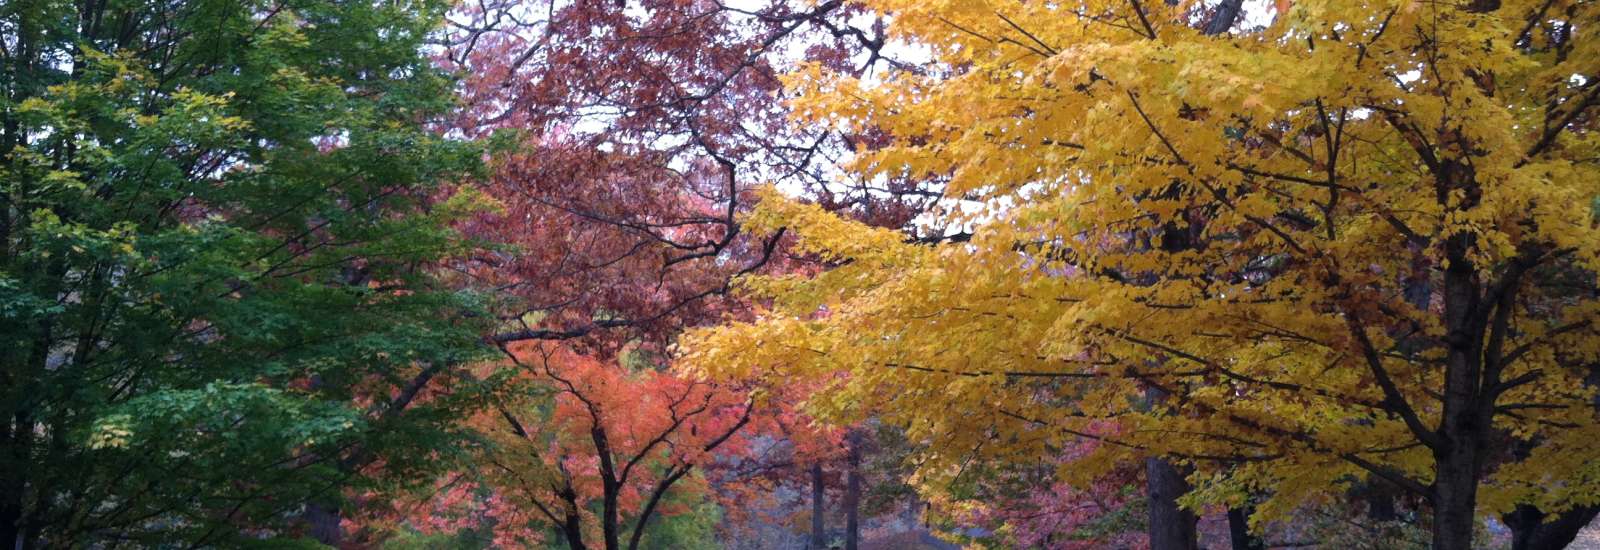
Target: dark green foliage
217, 225
465, 539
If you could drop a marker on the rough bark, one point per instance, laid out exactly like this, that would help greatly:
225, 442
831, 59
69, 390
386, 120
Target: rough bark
1171, 527
1455, 488
1464, 421
1455, 496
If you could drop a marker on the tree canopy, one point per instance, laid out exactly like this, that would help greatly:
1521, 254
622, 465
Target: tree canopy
784, 273
216, 222
1356, 242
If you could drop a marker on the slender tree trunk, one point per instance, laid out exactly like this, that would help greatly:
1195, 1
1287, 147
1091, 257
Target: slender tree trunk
1524, 522
671, 476
11, 486
1532, 528
818, 540
1239, 530
852, 498
1171, 527
325, 522
660, 490
572, 530
611, 489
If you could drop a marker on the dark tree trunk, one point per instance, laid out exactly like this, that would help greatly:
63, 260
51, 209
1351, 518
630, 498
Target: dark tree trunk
10, 517
1171, 527
572, 530
852, 499
1223, 19
11, 485
1455, 487
1239, 530
1380, 503
1465, 418
1532, 529
818, 540
18, 528
323, 521
611, 489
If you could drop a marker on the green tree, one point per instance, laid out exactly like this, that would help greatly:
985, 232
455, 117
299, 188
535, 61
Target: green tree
215, 299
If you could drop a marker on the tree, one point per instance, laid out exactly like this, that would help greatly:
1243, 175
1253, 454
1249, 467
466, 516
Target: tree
622, 439
1355, 244
636, 132
213, 233
641, 130
570, 450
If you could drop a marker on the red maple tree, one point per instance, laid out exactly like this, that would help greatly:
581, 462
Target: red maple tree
632, 136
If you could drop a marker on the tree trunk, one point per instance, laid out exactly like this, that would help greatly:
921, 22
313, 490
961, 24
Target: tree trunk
323, 521
1466, 416
1223, 18
572, 530
852, 499
1380, 501
1455, 501
611, 489
19, 527
660, 490
11, 485
818, 540
10, 517
1171, 527
1532, 529
1239, 529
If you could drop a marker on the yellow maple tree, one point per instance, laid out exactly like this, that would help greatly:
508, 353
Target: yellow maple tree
1357, 241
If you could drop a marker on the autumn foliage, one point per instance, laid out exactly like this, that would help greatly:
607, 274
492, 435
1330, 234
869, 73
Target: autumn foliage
793, 273
1352, 246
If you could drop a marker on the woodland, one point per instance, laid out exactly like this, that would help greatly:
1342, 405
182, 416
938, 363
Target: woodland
799, 274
